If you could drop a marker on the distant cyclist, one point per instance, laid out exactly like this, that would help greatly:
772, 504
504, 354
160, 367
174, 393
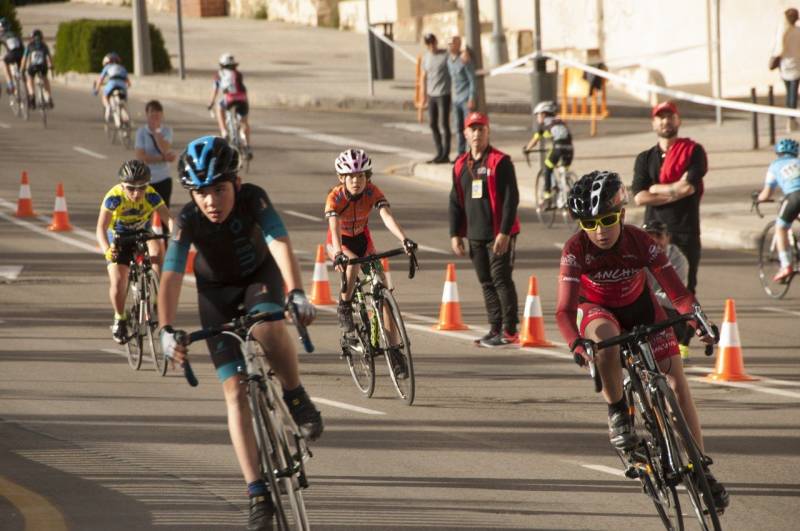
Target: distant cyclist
116, 78
14, 51
230, 82
784, 172
603, 291
244, 257
127, 207
556, 131
37, 60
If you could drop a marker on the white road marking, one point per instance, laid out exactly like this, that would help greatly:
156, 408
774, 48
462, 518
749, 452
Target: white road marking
414, 127
604, 469
706, 370
751, 386
75, 230
558, 245
349, 407
10, 272
55, 235
89, 152
779, 310
303, 216
432, 249
4, 125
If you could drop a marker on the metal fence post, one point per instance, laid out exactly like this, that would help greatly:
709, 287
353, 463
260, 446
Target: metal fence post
771, 97
755, 119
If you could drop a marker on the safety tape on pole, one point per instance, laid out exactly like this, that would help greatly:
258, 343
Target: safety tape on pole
395, 46
670, 93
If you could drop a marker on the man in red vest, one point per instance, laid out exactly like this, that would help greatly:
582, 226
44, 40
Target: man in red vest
483, 208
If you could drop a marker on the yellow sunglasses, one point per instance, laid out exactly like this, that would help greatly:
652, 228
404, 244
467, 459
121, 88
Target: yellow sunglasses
609, 220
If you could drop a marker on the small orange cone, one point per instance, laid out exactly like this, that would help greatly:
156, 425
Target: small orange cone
25, 202
321, 287
532, 321
730, 365
450, 312
190, 260
60, 216
386, 273
156, 224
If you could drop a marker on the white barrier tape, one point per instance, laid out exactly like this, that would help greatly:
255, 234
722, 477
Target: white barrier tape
675, 94
395, 46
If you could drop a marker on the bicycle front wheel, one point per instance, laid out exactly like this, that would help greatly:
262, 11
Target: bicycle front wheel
769, 264
563, 193
133, 304
544, 207
22, 98
687, 458
151, 322
397, 348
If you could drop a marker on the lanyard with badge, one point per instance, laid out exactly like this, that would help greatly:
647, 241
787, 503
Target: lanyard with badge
477, 179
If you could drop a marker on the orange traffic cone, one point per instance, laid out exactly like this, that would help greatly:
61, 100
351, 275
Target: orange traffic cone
532, 321
386, 273
60, 216
730, 365
190, 260
156, 224
450, 312
25, 203
321, 287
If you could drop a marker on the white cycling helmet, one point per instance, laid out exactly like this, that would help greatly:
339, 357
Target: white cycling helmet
545, 107
227, 59
353, 161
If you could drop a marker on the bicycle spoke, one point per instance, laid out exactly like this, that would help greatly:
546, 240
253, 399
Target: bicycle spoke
397, 348
358, 353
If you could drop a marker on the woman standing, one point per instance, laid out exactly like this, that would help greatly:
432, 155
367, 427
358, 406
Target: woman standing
787, 54
154, 148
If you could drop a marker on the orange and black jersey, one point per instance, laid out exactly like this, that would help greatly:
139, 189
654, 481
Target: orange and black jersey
353, 213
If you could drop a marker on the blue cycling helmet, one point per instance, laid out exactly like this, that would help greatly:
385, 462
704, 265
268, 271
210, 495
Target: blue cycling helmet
787, 146
5, 24
207, 161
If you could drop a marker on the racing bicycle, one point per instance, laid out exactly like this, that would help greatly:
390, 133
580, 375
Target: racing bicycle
42, 103
118, 125
562, 181
667, 454
282, 449
141, 302
235, 134
768, 261
19, 99
379, 329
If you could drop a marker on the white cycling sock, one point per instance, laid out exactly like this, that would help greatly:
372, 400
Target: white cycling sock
785, 257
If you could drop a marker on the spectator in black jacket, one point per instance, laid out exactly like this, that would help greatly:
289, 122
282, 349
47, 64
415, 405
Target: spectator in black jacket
483, 208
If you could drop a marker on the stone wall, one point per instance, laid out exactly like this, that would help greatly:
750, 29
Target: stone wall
306, 12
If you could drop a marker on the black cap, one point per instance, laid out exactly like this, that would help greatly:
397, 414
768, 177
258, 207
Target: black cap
655, 226
428, 38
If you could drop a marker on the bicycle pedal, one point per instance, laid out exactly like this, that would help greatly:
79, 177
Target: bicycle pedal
632, 472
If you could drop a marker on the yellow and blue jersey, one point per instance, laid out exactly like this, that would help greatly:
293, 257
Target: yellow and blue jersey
128, 215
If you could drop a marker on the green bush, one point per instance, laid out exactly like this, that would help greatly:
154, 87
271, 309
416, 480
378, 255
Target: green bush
7, 10
81, 45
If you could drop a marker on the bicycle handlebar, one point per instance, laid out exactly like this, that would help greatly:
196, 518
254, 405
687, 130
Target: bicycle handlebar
642, 331
754, 205
242, 324
413, 265
139, 236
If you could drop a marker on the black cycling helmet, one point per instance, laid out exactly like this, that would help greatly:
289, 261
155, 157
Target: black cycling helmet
5, 25
595, 194
207, 161
134, 171
37, 34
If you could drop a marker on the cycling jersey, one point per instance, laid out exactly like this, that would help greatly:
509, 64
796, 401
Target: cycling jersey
231, 83
37, 53
230, 251
784, 172
613, 278
14, 47
555, 129
353, 213
116, 77
128, 215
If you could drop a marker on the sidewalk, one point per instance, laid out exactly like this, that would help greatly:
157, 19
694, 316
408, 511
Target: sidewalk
293, 66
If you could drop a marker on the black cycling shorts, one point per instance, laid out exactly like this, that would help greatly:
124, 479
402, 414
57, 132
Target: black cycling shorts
790, 209
242, 108
560, 152
37, 69
14, 56
219, 303
124, 252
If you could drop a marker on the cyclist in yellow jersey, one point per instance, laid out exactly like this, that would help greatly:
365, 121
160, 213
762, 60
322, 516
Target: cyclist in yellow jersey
128, 207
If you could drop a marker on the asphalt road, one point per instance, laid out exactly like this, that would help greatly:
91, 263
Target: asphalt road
500, 439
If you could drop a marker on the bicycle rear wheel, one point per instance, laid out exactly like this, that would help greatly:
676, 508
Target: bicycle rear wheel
151, 323
544, 207
687, 457
561, 202
769, 264
133, 304
358, 353
22, 98
648, 464
400, 345
40, 102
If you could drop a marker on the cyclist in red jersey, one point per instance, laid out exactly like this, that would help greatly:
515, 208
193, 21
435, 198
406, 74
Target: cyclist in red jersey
603, 290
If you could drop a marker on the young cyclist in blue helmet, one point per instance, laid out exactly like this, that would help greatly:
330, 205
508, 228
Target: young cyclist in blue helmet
244, 257
784, 172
